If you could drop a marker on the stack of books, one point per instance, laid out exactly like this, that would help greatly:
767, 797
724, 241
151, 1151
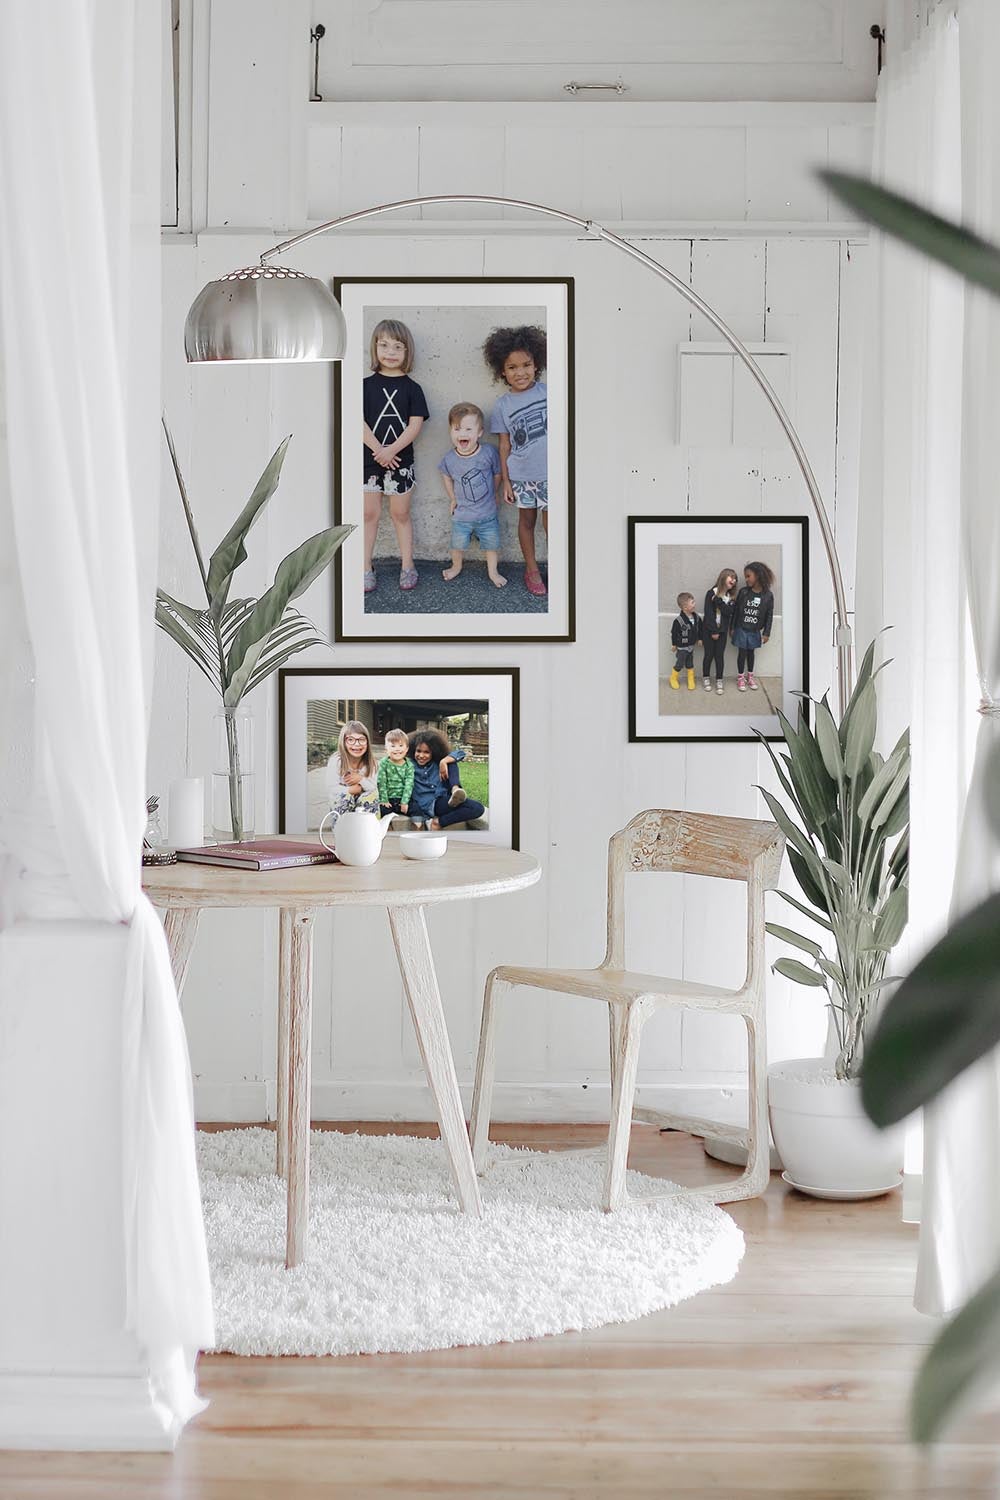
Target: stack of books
264, 854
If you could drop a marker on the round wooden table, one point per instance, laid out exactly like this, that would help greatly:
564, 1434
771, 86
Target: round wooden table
404, 887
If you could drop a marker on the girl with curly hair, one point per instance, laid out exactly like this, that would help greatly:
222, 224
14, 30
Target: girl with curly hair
751, 620
516, 357
438, 798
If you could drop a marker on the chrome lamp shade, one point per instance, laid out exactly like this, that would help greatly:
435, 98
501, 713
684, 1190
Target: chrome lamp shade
264, 313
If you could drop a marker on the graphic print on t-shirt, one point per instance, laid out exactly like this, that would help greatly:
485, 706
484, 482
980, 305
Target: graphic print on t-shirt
528, 424
751, 612
477, 486
388, 425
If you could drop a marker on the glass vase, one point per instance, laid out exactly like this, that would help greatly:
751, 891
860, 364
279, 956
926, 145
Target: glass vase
233, 777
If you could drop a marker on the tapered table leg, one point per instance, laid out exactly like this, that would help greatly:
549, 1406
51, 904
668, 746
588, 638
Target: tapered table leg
416, 964
299, 1010
286, 919
181, 927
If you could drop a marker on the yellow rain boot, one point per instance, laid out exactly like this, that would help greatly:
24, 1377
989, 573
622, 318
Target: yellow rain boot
673, 679
691, 678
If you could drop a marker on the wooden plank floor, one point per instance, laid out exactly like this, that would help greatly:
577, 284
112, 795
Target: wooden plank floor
791, 1381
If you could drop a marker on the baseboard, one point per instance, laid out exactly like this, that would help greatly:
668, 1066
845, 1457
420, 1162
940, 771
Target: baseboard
85, 1414
568, 1102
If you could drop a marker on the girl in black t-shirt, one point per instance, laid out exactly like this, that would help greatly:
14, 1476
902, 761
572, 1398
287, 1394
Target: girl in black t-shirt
752, 620
395, 409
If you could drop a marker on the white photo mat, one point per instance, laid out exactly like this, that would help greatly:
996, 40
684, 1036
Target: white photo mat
742, 536
298, 687
354, 623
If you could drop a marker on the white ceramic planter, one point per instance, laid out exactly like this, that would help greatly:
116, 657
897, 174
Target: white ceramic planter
827, 1143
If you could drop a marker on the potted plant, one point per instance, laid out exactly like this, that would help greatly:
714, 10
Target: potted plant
846, 822
237, 643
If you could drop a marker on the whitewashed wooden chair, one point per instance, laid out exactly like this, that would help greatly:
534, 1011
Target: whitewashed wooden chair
690, 844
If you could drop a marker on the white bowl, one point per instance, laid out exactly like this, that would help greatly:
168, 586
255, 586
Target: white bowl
430, 845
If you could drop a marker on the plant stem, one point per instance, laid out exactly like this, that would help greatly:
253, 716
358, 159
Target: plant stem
189, 517
235, 779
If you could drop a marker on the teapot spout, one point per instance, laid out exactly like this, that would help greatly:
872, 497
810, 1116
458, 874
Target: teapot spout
383, 824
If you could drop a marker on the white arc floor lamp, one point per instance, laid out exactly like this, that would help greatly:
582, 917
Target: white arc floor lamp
272, 314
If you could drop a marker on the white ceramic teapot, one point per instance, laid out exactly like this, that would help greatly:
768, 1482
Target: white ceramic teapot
357, 836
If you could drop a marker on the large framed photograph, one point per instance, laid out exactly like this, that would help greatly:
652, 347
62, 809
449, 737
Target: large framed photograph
718, 625
454, 459
448, 738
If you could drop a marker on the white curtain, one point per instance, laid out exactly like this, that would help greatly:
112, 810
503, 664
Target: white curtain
79, 280
929, 564
960, 1228
909, 553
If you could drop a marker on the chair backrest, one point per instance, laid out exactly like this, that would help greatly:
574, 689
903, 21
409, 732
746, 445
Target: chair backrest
747, 849
702, 844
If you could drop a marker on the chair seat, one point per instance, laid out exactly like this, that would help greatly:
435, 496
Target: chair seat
624, 984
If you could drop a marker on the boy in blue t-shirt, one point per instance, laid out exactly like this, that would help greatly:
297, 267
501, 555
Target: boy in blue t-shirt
470, 473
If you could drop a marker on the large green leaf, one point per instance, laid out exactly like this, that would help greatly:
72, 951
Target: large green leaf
816, 792
294, 575
860, 724
813, 916
944, 1016
792, 969
231, 552
942, 239
188, 636
895, 796
793, 834
892, 919
797, 941
829, 741
811, 888
964, 1354
879, 785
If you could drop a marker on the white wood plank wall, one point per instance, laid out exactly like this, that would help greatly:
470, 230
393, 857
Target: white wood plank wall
580, 779
635, 163
725, 194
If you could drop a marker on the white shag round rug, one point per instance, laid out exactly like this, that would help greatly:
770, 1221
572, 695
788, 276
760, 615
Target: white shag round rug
394, 1266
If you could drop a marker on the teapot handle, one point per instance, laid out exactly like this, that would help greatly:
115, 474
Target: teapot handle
322, 840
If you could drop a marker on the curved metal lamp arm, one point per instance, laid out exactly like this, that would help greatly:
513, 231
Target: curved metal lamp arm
842, 629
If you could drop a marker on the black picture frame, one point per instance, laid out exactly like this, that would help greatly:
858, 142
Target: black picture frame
487, 625
644, 531
357, 676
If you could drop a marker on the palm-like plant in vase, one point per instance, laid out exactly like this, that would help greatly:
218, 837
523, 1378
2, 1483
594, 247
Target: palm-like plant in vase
237, 643
850, 804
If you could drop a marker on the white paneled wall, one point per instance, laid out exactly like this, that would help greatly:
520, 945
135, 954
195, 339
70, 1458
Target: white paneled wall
580, 780
637, 163
723, 194
660, 49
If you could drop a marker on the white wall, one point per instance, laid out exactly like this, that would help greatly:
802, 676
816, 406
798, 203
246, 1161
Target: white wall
799, 285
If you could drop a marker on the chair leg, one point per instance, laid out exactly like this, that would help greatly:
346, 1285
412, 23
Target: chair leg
758, 1172
482, 1092
626, 1029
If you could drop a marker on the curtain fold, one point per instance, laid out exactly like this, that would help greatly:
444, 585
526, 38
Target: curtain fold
960, 1229
79, 280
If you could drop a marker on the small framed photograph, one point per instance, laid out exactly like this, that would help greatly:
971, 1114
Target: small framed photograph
718, 625
454, 459
438, 747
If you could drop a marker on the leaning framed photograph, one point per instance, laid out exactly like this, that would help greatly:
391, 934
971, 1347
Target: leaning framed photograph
437, 746
454, 459
718, 625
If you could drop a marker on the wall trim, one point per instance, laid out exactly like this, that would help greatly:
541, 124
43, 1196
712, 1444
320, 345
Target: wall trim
559, 1103
84, 1413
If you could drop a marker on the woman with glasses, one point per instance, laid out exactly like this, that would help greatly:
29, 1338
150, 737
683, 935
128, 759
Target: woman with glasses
351, 773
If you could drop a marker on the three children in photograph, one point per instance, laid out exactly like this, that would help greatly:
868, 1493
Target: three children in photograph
743, 616
478, 477
417, 778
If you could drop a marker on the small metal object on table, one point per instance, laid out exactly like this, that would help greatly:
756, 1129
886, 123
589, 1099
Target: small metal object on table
405, 887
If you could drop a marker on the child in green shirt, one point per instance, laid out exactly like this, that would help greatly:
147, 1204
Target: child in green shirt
395, 775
